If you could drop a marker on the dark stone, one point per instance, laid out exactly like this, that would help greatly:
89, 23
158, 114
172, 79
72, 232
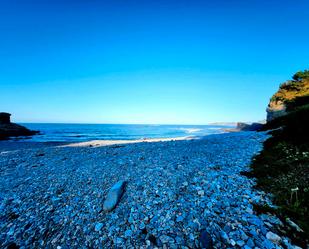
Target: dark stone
13, 216
206, 240
152, 239
12, 245
8, 129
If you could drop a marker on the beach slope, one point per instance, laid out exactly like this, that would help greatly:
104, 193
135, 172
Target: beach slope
175, 191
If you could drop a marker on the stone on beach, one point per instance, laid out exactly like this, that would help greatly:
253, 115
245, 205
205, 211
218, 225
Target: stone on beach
166, 239
98, 227
273, 237
294, 225
205, 240
114, 196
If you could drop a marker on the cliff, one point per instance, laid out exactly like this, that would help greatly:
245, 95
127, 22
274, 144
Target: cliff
282, 167
8, 129
286, 95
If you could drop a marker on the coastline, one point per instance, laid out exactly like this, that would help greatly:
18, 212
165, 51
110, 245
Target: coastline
100, 143
13, 145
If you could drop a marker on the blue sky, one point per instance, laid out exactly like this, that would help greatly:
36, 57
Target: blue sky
163, 62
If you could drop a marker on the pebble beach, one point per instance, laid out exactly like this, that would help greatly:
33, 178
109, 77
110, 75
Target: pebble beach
185, 193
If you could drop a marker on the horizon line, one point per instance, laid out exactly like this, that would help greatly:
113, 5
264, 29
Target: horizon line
77, 123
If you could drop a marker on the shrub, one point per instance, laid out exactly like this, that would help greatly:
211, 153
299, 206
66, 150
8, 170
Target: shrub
301, 75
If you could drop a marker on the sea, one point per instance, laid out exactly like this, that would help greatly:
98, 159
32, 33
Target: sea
86, 132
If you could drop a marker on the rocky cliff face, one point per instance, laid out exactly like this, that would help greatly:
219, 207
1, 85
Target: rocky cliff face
275, 109
282, 165
287, 93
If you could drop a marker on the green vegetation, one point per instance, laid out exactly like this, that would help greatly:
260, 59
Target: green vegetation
301, 75
282, 168
292, 89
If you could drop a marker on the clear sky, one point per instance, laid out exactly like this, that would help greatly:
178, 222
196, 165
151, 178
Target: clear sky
175, 62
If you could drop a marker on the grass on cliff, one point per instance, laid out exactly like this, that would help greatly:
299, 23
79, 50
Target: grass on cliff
291, 89
283, 166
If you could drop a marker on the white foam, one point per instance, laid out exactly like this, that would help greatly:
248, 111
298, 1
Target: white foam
190, 130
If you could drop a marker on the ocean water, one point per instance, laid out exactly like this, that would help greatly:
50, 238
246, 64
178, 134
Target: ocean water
87, 132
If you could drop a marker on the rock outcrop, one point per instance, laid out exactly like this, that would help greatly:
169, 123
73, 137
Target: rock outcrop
287, 93
249, 127
5, 118
275, 109
240, 126
8, 129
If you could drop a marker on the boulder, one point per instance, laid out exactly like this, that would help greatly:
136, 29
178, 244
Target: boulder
273, 238
114, 196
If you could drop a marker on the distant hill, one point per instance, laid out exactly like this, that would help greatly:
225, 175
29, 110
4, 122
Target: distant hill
224, 123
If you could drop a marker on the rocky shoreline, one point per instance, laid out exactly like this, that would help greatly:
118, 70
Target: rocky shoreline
179, 194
